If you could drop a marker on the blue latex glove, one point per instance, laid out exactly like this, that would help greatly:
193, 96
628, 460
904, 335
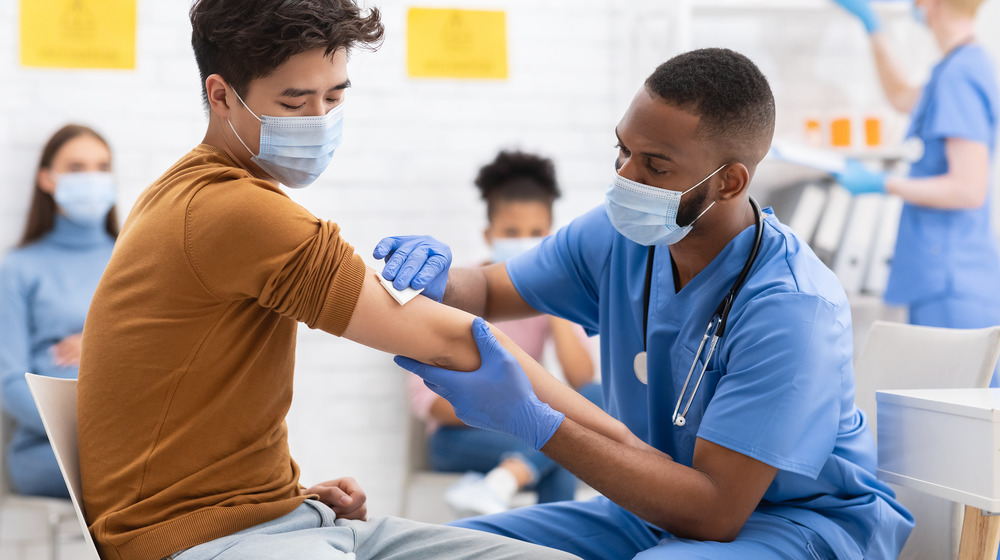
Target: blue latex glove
863, 11
417, 261
496, 397
859, 179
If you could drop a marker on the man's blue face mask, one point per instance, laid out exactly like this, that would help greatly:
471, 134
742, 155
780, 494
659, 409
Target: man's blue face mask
296, 150
648, 215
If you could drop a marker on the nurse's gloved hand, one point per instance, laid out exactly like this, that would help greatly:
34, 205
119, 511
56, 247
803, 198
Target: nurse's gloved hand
417, 261
496, 397
863, 11
859, 179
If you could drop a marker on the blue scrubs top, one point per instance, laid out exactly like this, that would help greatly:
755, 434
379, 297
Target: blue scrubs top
938, 251
780, 387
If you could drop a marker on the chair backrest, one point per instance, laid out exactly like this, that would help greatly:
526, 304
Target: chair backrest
56, 402
900, 356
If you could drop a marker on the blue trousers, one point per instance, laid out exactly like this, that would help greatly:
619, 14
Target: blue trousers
956, 312
462, 449
33, 468
598, 529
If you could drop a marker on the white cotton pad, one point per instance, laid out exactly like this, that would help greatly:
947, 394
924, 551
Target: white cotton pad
401, 296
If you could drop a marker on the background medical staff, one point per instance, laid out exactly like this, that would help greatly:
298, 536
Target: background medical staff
946, 267
45, 290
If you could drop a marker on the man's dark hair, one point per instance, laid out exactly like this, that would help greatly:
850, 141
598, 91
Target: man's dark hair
517, 176
730, 95
242, 40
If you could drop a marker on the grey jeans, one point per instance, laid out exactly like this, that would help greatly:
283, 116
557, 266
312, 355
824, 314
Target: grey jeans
313, 532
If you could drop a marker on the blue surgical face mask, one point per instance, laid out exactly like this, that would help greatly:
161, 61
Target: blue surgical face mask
920, 14
85, 198
506, 247
648, 215
296, 150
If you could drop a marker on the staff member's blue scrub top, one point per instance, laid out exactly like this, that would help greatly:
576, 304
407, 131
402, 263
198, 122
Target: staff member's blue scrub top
946, 267
780, 389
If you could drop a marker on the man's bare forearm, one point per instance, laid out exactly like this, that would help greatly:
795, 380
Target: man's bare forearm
466, 290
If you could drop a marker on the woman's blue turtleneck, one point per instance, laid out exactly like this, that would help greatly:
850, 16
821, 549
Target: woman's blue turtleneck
45, 290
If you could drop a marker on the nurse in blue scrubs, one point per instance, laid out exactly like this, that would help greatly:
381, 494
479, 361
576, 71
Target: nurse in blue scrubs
752, 450
946, 267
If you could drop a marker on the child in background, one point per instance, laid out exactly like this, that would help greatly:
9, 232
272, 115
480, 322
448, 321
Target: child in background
519, 190
46, 285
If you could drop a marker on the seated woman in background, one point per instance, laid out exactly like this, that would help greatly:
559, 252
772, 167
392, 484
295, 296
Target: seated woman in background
46, 285
519, 190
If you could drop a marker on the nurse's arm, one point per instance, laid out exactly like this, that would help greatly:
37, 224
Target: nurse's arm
965, 185
442, 336
487, 292
710, 501
902, 94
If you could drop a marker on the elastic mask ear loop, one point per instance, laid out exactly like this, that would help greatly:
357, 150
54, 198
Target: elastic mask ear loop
709, 207
254, 116
692, 188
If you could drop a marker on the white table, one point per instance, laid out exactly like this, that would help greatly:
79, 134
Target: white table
946, 442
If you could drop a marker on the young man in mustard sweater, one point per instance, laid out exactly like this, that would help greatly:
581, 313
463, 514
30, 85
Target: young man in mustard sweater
186, 373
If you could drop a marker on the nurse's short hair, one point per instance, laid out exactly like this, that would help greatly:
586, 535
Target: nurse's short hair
729, 94
242, 40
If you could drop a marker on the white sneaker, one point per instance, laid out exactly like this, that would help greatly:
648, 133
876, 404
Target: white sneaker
472, 496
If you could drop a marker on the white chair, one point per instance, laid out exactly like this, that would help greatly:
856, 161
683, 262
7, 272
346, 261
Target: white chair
900, 356
56, 402
17, 508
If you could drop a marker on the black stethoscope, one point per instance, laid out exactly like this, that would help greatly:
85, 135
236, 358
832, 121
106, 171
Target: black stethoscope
716, 325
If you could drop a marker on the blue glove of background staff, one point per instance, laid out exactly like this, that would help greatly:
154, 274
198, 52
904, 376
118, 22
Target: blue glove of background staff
863, 11
859, 179
417, 261
496, 397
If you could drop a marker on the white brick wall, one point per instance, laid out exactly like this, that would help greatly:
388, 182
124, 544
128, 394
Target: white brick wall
411, 151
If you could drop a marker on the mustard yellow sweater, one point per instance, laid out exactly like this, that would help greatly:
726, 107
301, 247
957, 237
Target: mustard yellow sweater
188, 353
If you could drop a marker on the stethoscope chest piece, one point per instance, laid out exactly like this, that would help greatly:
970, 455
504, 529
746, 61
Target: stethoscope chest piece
639, 365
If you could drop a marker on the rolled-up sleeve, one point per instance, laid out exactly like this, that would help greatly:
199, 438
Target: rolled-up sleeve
262, 245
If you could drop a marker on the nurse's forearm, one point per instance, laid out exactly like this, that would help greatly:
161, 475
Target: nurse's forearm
901, 93
466, 290
687, 502
565, 399
487, 292
964, 186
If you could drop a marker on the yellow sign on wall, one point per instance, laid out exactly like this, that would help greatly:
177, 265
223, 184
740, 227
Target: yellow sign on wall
445, 43
78, 33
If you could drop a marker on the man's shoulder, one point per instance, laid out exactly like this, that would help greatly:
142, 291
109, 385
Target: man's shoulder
210, 176
789, 266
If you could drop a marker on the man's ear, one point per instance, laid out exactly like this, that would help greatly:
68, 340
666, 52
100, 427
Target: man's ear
218, 95
735, 180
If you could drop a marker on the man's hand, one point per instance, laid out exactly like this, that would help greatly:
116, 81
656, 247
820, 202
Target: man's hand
862, 10
344, 496
417, 261
66, 353
498, 396
859, 179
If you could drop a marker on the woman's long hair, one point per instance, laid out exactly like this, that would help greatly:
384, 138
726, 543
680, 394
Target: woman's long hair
42, 215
